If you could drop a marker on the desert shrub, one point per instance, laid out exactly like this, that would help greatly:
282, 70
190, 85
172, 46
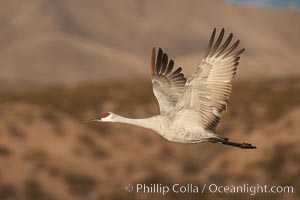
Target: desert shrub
4, 151
26, 117
53, 119
85, 139
35, 191
220, 177
7, 191
166, 153
54, 171
80, 184
190, 167
15, 131
94, 150
37, 156
98, 152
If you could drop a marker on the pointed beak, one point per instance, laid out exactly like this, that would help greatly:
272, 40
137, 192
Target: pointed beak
92, 120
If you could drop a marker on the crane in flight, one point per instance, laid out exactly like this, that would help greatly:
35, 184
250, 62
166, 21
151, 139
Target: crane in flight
190, 109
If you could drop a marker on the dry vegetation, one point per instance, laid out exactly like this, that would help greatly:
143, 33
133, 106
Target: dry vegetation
254, 102
48, 152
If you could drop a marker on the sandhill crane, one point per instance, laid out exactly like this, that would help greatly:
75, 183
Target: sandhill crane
190, 109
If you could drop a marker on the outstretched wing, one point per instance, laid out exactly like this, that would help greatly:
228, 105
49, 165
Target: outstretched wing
167, 83
206, 93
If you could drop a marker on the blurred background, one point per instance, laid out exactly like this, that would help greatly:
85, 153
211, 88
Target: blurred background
66, 61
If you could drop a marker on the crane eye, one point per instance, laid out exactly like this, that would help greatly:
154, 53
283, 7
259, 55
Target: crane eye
105, 115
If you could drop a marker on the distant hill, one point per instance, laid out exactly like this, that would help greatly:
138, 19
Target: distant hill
70, 42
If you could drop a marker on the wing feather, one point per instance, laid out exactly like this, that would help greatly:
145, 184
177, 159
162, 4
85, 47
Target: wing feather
217, 43
225, 45
167, 84
164, 64
207, 91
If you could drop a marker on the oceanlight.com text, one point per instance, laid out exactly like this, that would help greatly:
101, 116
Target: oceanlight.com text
211, 188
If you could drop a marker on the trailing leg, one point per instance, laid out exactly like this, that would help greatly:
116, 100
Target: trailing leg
225, 141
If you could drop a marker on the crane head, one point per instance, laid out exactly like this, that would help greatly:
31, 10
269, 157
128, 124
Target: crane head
103, 118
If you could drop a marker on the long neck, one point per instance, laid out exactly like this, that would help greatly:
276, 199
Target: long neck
148, 123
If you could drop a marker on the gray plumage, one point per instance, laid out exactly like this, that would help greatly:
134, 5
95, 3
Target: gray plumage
190, 109
167, 85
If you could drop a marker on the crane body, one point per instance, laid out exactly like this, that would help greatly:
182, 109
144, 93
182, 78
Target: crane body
190, 108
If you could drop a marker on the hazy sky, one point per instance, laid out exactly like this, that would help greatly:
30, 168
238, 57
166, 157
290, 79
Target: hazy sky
282, 4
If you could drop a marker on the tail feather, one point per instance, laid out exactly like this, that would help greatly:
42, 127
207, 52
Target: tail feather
225, 141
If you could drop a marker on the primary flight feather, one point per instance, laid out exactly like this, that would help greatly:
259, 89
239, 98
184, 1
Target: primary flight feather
190, 109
